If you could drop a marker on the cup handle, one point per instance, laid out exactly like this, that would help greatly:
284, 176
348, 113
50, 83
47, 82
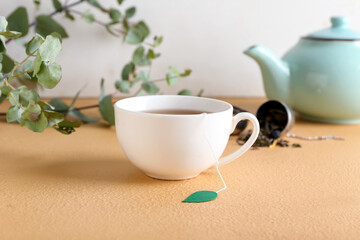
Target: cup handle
256, 128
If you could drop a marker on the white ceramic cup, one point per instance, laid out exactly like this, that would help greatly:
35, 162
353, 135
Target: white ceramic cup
175, 147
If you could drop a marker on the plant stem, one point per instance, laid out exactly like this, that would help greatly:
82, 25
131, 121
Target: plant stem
12, 95
19, 74
8, 84
137, 92
22, 62
159, 80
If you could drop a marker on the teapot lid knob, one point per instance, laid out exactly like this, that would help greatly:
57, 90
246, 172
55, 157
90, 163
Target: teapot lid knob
339, 22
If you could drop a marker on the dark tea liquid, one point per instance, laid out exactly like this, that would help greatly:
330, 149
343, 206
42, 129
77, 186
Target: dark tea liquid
175, 111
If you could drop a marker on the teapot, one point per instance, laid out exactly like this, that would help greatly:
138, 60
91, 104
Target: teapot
319, 77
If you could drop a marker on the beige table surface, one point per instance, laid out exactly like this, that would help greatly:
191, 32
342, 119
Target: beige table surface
82, 186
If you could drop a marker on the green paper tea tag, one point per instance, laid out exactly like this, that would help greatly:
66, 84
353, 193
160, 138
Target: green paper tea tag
206, 196
201, 196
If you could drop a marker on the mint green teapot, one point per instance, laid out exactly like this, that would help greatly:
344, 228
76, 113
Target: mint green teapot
319, 77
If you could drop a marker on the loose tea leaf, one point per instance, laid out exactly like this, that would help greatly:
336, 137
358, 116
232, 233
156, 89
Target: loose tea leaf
272, 123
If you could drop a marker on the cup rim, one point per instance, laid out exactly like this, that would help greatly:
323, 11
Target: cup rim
227, 106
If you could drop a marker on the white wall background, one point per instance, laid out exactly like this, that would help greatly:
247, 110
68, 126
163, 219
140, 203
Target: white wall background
207, 36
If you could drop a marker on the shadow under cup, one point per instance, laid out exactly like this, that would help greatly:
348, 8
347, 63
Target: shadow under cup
173, 146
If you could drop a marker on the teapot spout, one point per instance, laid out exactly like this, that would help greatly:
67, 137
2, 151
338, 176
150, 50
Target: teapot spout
275, 72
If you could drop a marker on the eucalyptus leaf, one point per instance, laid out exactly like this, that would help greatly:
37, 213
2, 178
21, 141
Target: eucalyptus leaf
134, 36
3, 24
2, 44
139, 57
145, 76
150, 87
37, 3
138, 54
128, 68
125, 24
49, 75
158, 41
130, 12
70, 124
5, 90
151, 54
26, 96
115, 14
143, 28
67, 127
102, 89
10, 34
120, 1
18, 21
137, 34
174, 70
33, 45
68, 15
39, 125
58, 105
57, 5
28, 65
53, 117
106, 109
31, 112
11, 74
57, 35
12, 114
89, 17
46, 105
50, 48
2, 98
185, 92
171, 78
37, 64
45, 25
96, 4
77, 114
186, 73
123, 86
108, 29
13, 97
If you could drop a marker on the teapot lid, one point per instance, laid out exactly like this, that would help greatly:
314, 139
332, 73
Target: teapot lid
339, 31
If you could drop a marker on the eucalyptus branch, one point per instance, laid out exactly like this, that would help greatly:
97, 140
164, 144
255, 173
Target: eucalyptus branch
7, 75
66, 110
64, 7
29, 110
95, 20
